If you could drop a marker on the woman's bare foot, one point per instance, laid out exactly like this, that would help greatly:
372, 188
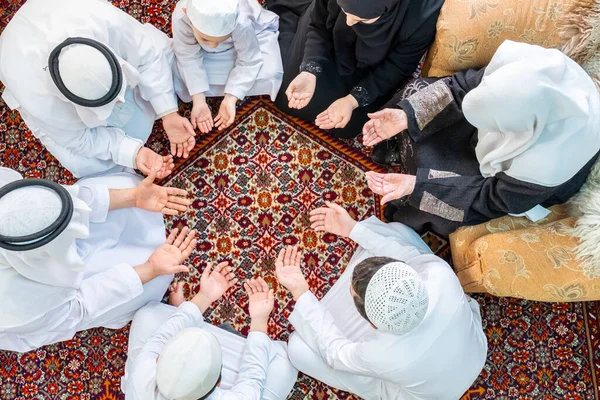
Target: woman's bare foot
176, 297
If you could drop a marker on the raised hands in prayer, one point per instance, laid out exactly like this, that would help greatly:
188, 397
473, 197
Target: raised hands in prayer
176, 296
289, 273
226, 114
148, 161
338, 114
391, 186
333, 219
261, 301
154, 198
180, 133
301, 90
214, 283
383, 125
201, 117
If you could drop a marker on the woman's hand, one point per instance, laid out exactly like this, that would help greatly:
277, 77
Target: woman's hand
261, 301
148, 161
391, 186
201, 116
333, 219
301, 90
213, 284
383, 125
180, 133
338, 114
154, 198
289, 273
226, 114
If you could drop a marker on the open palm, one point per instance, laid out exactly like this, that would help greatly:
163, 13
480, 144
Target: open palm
289, 273
261, 299
167, 259
215, 282
154, 198
390, 186
332, 218
383, 125
301, 90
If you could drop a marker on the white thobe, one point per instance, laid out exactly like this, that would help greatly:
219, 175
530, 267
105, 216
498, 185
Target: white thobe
438, 360
246, 64
86, 146
254, 368
105, 292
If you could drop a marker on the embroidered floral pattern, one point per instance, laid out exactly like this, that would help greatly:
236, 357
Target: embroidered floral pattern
361, 95
430, 101
311, 66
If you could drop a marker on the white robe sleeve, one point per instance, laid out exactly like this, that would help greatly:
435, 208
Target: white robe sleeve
316, 326
97, 197
382, 246
188, 54
253, 369
248, 61
142, 384
104, 143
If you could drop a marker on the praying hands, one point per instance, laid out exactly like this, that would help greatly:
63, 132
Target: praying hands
383, 125
391, 186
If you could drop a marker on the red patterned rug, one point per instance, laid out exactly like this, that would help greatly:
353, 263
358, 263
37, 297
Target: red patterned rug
254, 185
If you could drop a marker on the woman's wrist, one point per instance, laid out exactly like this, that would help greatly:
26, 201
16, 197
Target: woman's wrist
352, 101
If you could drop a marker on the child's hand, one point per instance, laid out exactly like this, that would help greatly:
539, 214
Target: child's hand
201, 117
213, 284
261, 301
226, 114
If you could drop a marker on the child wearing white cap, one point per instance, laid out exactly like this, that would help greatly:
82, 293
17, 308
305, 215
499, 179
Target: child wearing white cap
175, 355
225, 47
396, 325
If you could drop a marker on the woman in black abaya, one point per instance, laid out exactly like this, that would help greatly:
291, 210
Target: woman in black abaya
344, 58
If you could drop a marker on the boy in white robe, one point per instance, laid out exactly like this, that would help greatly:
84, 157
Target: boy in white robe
225, 48
174, 354
92, 105
110, 259
396, 325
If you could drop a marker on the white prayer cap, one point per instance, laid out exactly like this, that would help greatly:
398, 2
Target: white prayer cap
28, 210
215, 18
85, 71
396, 300
189, 365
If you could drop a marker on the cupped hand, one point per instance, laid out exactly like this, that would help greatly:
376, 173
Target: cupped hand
332, 218
154, 198
201, 117
226, 114
301, 90
260, 297
148, 161
391, 186
180, 133
167, 259
289, 273
338, 114
383, 125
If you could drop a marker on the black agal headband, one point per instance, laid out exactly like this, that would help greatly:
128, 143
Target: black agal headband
117, 73
46, 235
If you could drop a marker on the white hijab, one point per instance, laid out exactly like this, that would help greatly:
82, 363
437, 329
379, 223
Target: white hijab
35, 282
538, 115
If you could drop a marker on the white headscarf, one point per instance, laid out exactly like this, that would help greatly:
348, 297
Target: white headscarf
34, 282
538, 115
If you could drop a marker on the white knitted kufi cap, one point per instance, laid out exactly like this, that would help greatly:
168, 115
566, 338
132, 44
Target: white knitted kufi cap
189, 365
215, 18
85, 71
28, 210
396, 299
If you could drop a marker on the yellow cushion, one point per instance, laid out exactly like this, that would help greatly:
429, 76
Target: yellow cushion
470, 31
514, 257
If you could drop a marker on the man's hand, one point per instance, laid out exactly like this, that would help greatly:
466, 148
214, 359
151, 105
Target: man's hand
338, 114
180, 133
226, 114
154, 198
289, 273
301, 90
261, 302
333, 219
201, 116
391, 186
148, 161
167, 259
383, 125
213, 284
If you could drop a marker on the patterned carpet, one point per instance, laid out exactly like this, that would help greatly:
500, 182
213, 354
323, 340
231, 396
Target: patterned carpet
254, 185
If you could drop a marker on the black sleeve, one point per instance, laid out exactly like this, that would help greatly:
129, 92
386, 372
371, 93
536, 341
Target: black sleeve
439, 105
319, 40
397, 67
473, 199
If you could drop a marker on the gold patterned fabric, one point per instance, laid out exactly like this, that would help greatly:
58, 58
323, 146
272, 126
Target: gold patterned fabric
470, 31
514, 257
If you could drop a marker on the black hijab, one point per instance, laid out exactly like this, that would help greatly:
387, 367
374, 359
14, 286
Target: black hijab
365, 45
